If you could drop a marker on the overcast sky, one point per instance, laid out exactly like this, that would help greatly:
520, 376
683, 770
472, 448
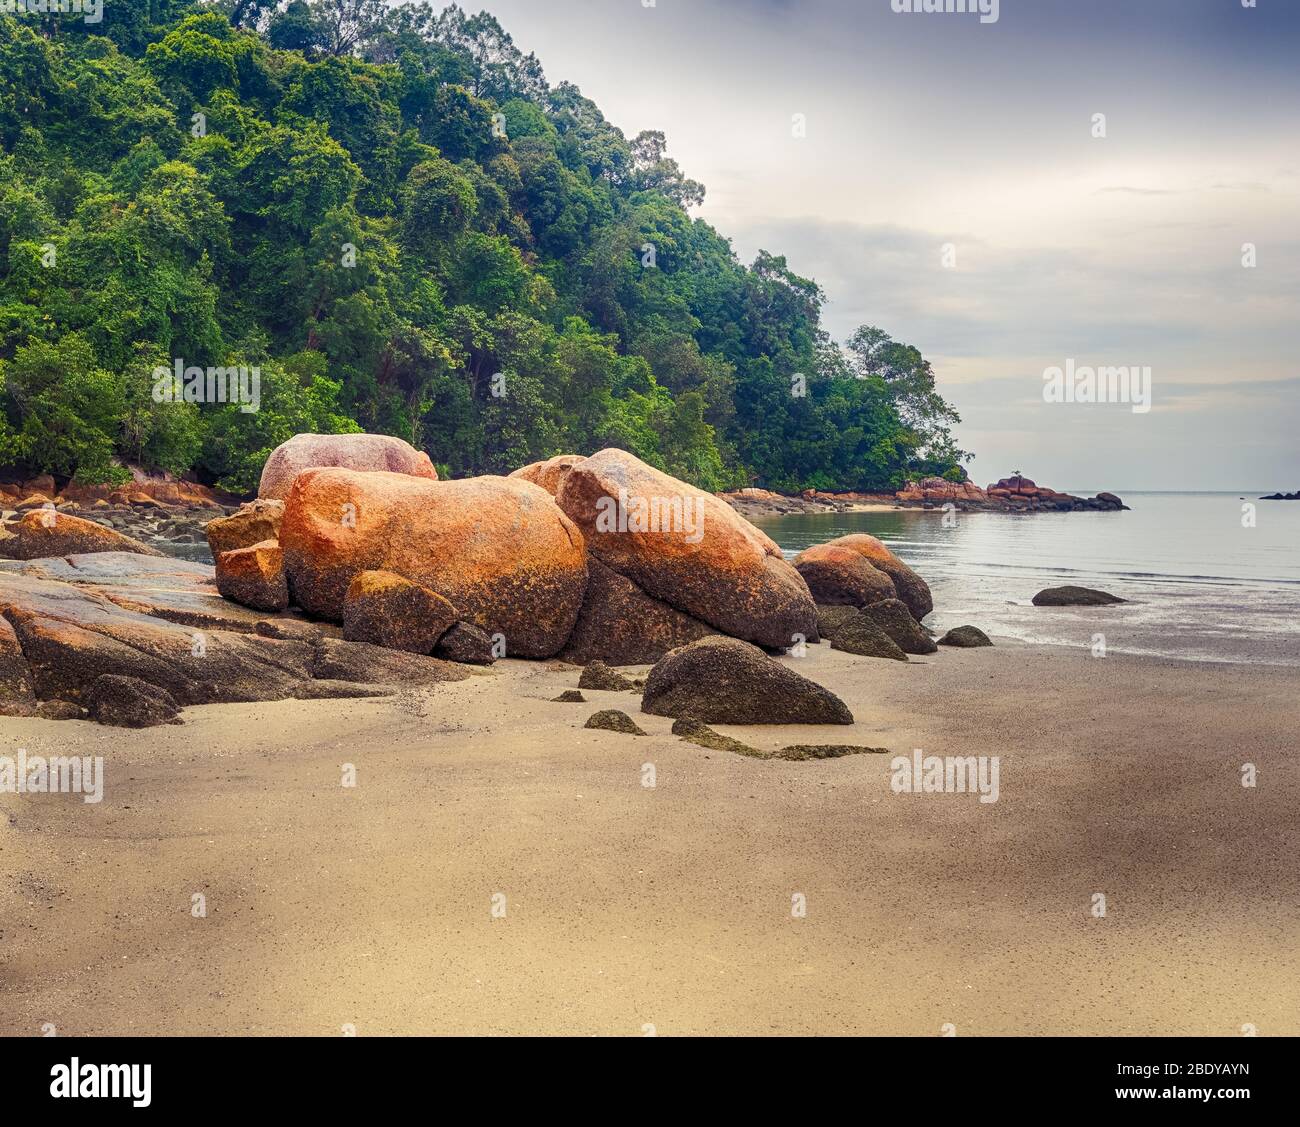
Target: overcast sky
932, 129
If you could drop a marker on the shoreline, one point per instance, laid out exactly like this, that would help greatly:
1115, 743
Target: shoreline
371, 906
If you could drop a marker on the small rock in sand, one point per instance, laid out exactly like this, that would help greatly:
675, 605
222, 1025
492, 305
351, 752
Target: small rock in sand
612, 720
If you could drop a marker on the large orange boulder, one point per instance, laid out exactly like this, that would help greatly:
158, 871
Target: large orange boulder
498, 549
839, 576
551, 473
41, 533
372, 453
911, 588
688, 549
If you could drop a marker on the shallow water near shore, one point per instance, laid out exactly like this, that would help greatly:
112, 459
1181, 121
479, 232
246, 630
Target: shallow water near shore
1204, 587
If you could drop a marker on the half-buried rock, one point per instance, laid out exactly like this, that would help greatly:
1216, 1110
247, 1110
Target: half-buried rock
254, 576
386, 610
911, 588
1075, 597
41, 533
726, 681
128, 702
840, 576
366, 453
865, 637
498, 549
612, 720
688, 549
967, 637
893, 617
598, 675
830, 619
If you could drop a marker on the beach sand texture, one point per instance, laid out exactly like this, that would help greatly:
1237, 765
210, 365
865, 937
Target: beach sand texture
631, 909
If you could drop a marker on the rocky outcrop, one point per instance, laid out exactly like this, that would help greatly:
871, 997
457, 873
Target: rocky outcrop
254, 576
910, 587
40, 533
250, 524
128, 702
894, 618
1268, 497
837, 575
365, 453
622, 625
1009, 494
77, 619
17, 693
727, 681
966, 637
687, 548
386, 610
865, 637
465, 643
498, 549
551, 473
1070, 596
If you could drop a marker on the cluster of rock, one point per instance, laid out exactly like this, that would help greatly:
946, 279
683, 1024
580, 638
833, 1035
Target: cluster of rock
1008, 494
358, 568
1282, 496
156, 507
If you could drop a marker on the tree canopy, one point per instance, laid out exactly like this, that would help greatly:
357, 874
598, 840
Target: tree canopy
394, 217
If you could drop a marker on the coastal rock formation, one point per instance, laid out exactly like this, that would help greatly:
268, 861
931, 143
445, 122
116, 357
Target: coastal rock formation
1009, 494
910, 587
612, 720
498, 549
387, 610
687, 548
162, 622
465, 643
17, 693
622, 625
128, 702
1069, 596
940, 491
254, 576
41, 532
551, 473
361, 452
865, 637
250, 524
1275, 496
894, 618
838, 575
727, 681
966, 637
598, 675
831, 619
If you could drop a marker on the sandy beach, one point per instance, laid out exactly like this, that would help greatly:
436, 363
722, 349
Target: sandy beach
630, 909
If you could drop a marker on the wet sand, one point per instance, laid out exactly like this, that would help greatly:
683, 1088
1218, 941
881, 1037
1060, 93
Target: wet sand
629, 907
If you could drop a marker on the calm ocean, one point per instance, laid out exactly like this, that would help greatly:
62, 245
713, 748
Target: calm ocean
1204, 587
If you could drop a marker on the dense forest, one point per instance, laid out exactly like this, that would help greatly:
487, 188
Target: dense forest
394, 218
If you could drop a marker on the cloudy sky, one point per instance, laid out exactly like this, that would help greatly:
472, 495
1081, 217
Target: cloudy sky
928, 129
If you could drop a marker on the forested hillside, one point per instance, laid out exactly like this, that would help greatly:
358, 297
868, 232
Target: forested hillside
392, 215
